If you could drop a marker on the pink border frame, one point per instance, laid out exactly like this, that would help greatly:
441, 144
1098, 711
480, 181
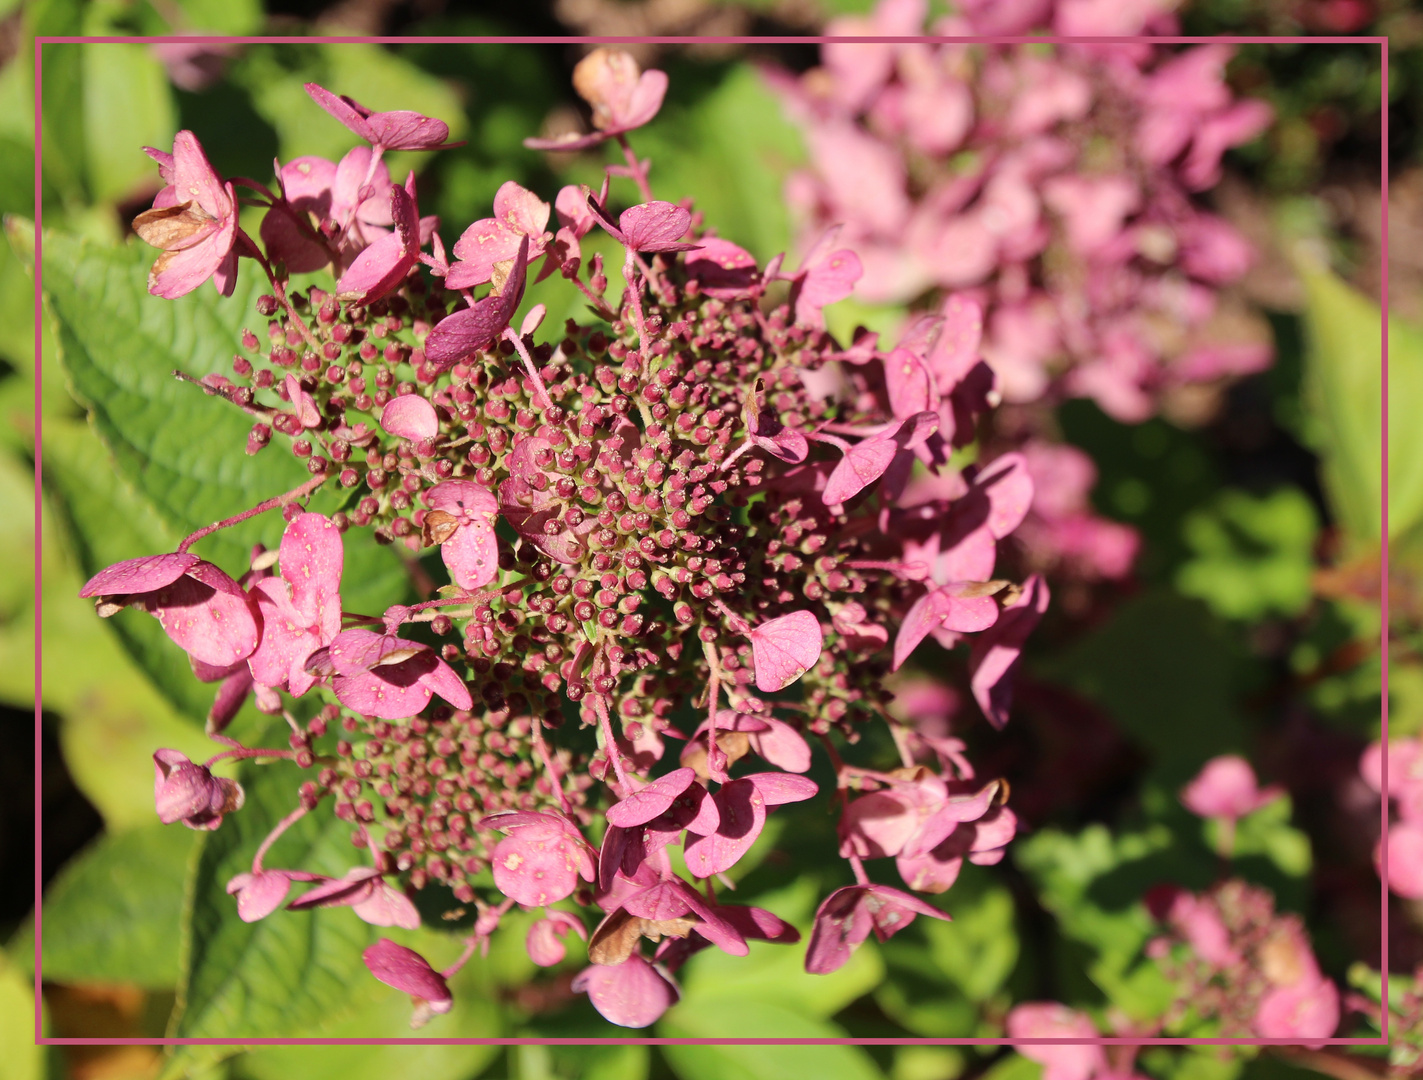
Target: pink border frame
999, 39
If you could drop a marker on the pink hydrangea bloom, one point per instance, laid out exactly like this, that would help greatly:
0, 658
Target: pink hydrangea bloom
518, 213
187, 792
1049, 1020
622, 96
849, 915
1226, 788
194, 221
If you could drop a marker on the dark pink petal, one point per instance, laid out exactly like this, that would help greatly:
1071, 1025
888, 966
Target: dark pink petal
743, 816
632, 994
996, 651
952, 812
784, 649
355, 885
655, 226
473, 329
230, 697
958, 606
891, 910
841, 923
787, 444
410, 416
656, 798
758, 923
665, 900
714, 926
211, 624
543, 944
287, 640
260, 894
287, 238
375, 271
780, 788
148, 573
862, 465
723, 270
407, 970
181, 788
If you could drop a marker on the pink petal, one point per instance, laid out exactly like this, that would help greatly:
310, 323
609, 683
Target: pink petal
311, 559
743, 816
148, 573
376, 270
784, 649
286, 238
722, 269
946, 607
476, 328
779, 788
1405, 860
303, 405
841, 924
407, 970
1309, 1009
644, 102
410, 416
832, 278
472, 554
656, 798
1049, 1020
342, 108
177, 273
996, 651
211, 624
862, 465
908, 383
521, 210
441, 678
1225, 787
543, 944
355, 885
287, 640
482, 245
877, 825
956, 351
378, 696
782, 745
535, 871
403, 129
655, 226
1009, 487
308, 182
195, 180
386, 906
632, 994
260, 894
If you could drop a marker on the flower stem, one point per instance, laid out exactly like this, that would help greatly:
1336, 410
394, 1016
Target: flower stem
261, 508
638, 173
610, 744
277, 830
534, 377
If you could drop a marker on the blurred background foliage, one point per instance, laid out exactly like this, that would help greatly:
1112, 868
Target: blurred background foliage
1251, 624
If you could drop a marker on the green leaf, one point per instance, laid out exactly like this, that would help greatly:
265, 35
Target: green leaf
128, 104
1344, 388
1252, 556
1405, 437
729, 1017
386, 1016
591, 1062
234, 17
109, 915
23, 1059
292, 973
1166, 671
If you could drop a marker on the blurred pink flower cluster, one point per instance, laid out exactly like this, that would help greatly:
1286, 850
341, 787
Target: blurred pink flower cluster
1405, 790
1052, 184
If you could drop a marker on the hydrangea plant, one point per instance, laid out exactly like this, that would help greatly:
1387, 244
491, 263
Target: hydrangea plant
695, 524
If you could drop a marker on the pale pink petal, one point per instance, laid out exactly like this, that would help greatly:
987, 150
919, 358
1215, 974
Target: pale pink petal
862, 465
1049, 1020
410, 416
535, 870
1309, 1009
386, 906
951, 607
260, 894
784, 649
543, 941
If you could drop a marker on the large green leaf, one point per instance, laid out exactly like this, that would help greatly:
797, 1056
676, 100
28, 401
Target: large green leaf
179, 448
292, 973
109, 915
730, 1018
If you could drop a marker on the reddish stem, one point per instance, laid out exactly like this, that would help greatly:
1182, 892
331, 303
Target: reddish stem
261, 508
277, 830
